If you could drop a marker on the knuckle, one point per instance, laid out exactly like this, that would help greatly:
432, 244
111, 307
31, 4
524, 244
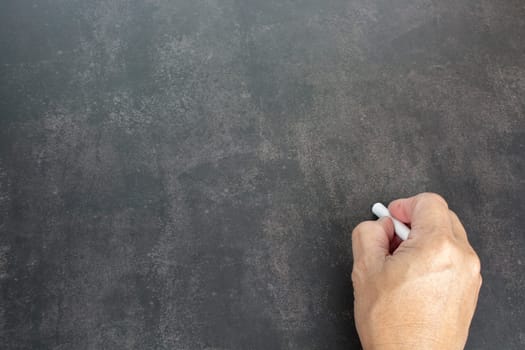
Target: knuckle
359, 266
362, 227
433, 197
444, 252
444, 244
474, 264
355, 277
453, 215
358, 271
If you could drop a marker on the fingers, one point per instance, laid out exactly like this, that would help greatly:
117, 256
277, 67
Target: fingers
371, 243
394, 243
425, 211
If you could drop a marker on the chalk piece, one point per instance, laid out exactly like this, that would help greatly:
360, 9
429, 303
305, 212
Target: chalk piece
401, 229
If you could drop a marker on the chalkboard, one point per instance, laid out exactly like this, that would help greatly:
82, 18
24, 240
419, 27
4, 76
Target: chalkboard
186, 174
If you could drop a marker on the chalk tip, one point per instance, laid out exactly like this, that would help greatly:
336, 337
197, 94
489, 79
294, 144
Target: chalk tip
376, 204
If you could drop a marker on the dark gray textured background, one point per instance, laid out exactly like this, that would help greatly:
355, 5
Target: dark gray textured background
184, 174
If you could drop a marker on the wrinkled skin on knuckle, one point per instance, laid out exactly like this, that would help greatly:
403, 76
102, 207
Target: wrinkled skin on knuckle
433, 197
441, 229
362, 228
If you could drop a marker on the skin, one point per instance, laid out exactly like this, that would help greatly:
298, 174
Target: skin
420, 293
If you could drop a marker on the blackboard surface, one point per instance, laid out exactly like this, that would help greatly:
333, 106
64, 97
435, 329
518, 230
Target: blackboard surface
184, 174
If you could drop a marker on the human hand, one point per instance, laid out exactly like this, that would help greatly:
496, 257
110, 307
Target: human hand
423, 294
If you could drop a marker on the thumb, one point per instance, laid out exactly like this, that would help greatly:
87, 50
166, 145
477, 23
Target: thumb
371, 243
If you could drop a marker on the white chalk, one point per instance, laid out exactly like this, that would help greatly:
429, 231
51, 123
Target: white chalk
401, 229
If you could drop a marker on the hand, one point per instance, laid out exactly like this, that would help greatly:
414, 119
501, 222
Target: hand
421, 294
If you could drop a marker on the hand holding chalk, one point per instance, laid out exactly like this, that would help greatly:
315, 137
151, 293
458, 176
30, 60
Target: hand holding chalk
421, 294
401, 229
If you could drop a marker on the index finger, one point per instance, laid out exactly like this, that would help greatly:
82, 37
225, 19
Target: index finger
425, 211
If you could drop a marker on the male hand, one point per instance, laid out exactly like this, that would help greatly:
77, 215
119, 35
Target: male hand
421, 294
